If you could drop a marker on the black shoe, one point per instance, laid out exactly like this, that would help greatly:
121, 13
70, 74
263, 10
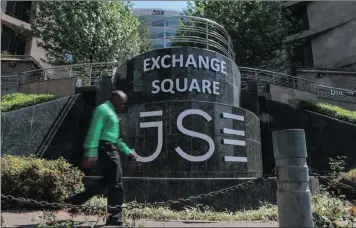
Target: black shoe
113, 222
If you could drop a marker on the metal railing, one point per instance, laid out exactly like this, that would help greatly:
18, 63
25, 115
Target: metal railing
88, 74
9, 84
191, 31
265, 77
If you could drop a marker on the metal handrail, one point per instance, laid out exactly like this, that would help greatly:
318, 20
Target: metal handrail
199, 30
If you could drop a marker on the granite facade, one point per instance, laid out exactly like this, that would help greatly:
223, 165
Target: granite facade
23, 130
202, 135
325, 137
137, 83
162, 189
170, 164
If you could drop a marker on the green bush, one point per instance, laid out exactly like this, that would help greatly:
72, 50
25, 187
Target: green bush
345, 184
328, 110
14, 101
39, 179
329, 211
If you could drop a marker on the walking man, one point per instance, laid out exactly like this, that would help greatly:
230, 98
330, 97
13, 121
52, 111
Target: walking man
102, 143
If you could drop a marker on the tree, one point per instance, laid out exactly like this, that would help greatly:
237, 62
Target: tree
258, 29
87, 31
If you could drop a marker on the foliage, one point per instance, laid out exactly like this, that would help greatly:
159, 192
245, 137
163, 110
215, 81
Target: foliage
39, 179
337, 165
328, 110
330, 211
258, 29
14, 101
345, 185
87, 31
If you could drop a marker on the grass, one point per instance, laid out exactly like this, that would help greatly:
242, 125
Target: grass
264, 213
328, 110
15, 101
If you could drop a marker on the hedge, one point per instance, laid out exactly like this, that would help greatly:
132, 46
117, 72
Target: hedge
345, 185
39, 179
328, 110
14, 101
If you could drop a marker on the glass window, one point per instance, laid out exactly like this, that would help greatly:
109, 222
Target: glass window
172, 22
20, 10
171, 33
12, 42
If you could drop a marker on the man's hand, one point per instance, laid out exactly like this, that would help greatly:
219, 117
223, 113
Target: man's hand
89, 162
132, 157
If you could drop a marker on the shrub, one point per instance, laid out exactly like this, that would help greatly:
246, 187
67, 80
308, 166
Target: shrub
329, 211
39, 179
345, 184
14, 101
328, 110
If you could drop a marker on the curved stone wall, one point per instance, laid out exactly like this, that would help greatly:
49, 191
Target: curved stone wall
183, 116
193, 139
180, 74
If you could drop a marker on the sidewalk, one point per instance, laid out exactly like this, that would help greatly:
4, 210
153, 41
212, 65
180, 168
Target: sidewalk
33, 218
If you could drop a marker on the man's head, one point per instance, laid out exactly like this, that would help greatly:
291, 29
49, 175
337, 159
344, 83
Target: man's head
118, 99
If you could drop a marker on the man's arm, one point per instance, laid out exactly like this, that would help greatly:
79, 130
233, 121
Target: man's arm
121, 145
91, 143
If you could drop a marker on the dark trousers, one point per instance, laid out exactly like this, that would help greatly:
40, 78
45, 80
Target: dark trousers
111, 171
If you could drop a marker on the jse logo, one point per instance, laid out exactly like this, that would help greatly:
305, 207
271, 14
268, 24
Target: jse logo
181, 128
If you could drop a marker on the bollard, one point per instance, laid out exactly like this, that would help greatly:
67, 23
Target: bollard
293, 194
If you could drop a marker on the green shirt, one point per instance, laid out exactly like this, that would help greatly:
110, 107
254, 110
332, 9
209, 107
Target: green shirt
104, 126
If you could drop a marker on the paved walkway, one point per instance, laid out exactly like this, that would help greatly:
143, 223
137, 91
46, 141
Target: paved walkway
31, 219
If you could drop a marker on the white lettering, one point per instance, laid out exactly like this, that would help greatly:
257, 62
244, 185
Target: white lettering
155, 63
214, 64
180, 60
159, 125
196, 135
170, 88
223, 67
185, 85
191, 61
216, 88
206, 86
194, 85
333, 92
163, 63
201, 62
154, 85
146, 64
204, 62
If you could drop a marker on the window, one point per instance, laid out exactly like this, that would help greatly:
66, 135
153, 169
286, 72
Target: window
19, 10
171, 34
301, 16
303, 55
12, 42
172, 22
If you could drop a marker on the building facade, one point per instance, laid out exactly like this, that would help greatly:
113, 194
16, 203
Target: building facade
160, 31
327, 33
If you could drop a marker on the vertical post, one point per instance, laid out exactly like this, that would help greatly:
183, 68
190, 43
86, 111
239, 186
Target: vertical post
207, 35
90, 74
293, 194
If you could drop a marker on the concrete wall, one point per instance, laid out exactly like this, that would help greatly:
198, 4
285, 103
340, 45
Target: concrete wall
20, 66
324, 12
337, 80
284, 95
338, 45
332, 48
58, 87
